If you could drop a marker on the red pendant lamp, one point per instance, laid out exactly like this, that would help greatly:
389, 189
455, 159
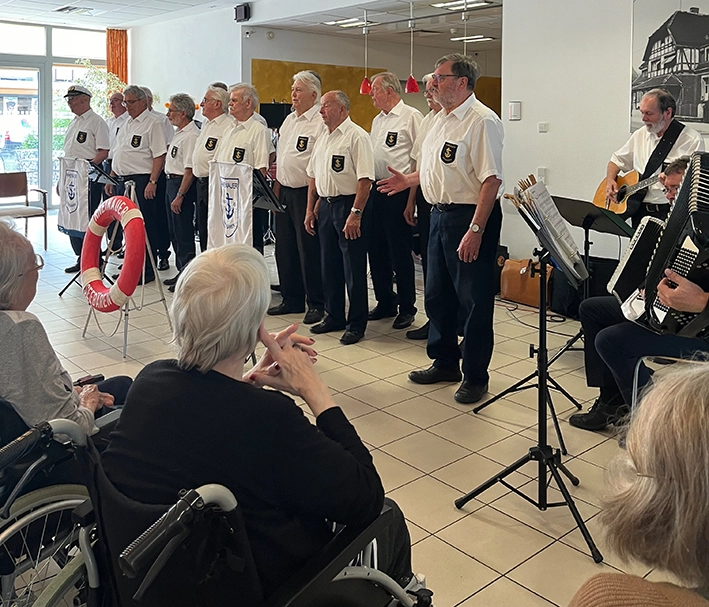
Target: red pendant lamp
366, 87
411, 84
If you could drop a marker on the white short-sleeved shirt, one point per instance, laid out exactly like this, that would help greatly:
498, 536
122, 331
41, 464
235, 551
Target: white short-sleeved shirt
340, 159
633, 156
247, 142
115, 125
206, 145
424, 128
393, 136
167, 128
140, 141
462, 149
298, 135
86, 135
180, 150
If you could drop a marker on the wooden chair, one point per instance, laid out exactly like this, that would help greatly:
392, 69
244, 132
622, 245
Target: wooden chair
14, 186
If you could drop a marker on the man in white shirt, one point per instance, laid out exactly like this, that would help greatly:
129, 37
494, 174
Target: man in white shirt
297, 252
115, 122
341, 171
394, 131
86, 137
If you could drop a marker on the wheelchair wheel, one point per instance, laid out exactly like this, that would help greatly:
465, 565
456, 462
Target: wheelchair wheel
37, 541
69, 588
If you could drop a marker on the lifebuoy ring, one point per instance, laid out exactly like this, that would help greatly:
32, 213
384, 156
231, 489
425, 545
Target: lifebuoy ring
99, 296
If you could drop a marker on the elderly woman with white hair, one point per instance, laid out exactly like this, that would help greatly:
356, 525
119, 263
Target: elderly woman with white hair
32, 379
217, 425
658, 510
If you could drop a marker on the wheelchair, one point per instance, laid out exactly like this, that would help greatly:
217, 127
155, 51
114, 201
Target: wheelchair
196, 552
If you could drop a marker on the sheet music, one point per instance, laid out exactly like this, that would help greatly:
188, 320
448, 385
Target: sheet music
552, 217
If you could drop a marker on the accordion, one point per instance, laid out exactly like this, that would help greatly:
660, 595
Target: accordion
681, 244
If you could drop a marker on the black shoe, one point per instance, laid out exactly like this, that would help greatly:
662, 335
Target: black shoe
598, 417
73, 269
420, 333
326, 326
470, 393
122, 254
276, 288
282, 308
171, 288
403, 320
313, 315
163, 265
379, 312
433, 375
351, 337
147, 280
168, 282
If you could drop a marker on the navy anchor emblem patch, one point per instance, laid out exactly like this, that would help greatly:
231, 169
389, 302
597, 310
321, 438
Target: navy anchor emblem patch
173, 152
338, 164
302, 144
210, 144
135, 142
448, 152
81, 136
238, 155
392, 136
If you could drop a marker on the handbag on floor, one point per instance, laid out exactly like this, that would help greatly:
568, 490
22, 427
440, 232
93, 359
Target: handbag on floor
517, 283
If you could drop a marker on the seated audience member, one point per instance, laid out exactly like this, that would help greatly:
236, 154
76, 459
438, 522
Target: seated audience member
292, 478
658, 510
32, 379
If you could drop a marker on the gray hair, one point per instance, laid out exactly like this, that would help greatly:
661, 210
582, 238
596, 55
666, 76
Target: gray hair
148, 93
389, 81
220, 300
15, 252
463, 67
678, 166
311, 80
342, 99
184, 103
427, 78
664, 99
248, 91
221, 94
136, 91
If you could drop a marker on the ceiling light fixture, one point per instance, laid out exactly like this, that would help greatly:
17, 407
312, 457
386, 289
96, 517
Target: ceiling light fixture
411, 84
366, 87
478, 38
458, 4
358, 24
341, 21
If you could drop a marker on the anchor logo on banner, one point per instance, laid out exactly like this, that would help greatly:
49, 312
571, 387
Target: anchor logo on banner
70, 188
229, 200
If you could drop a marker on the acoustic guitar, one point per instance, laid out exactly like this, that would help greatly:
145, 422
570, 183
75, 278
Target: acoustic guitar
628, 185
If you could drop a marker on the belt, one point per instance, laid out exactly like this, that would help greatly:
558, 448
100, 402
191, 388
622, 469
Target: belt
132, 176
202, 179
287, 187
656, 208
450, 206
332, 199
173, 176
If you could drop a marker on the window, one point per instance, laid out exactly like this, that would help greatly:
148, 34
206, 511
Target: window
18, 39
83, 44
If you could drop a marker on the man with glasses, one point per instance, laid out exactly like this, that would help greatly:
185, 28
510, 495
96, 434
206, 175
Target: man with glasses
119, 118
461, 176
87, 137
214, 110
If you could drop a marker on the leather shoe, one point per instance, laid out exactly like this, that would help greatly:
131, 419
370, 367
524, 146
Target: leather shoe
600, 415
282, 308
470, 393
313, 315
163, 265
72, 269
420, 333
433, 375
379, 312
326, 326
168, 282
402, 321
351, 337
171, 288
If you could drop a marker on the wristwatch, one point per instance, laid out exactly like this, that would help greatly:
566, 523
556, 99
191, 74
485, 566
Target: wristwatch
180, 193
357, 212
476, 229
153, 182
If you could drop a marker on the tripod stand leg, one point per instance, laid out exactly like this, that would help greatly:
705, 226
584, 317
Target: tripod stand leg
565, 393
567, 346
567, 473
461, 501
71, 282
555, 420
513, 388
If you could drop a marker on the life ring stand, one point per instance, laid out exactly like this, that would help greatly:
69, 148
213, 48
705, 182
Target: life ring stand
99, 296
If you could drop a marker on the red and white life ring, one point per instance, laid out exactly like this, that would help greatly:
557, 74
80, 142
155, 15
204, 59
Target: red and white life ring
99, 296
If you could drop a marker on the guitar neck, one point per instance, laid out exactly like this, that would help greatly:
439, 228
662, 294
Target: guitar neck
641, 184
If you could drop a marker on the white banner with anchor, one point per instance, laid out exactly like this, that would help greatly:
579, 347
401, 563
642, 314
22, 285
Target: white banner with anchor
230, 195
73, 216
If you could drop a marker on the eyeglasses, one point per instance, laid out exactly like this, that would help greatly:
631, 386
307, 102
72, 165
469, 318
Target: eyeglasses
439, 77
127, 103
171, 111
205, 100
668, 189
39, 261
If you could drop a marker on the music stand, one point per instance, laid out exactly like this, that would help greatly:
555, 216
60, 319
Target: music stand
264, 198
542, 452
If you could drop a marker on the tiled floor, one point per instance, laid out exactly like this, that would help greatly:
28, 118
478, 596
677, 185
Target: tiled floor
429, 450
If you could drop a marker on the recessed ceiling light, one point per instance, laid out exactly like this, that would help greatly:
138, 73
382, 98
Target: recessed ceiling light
358, 24
472, 39
73, 10
341, 21
457, 5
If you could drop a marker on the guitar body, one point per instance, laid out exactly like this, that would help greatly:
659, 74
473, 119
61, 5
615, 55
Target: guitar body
621, 207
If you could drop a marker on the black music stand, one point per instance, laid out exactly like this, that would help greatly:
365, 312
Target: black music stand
542, 452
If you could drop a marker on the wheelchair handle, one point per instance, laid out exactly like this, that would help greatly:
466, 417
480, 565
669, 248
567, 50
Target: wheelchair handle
23, 444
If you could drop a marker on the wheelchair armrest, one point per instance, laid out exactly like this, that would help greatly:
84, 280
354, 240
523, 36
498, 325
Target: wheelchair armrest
302, 587
84, 514
109, 418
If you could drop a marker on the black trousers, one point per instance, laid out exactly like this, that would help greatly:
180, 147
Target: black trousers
660, 211
452, 285
95, 190
394, 547
259, 223
344, 263
202, 207
390, 245
613, 346
162, 230
151, 210
181, 224
298, 253
423, 219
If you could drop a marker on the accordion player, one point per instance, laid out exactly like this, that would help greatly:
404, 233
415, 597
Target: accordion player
680, 245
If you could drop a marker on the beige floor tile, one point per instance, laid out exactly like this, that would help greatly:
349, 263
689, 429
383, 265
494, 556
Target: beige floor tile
500, 359
384, 344
516, 330
450, 574
380, 394
429, 503
346, 356
415, 357
557, 572
135, 336
83, 346
425, 451
382, 366
147, 320
98, 360
422, 411
393, 472
417, 534
519, 369
512, 347
577, 387
323, 363
470, 432
404, 382
509, 415
509, 450
505, 593
151, 348
129, 367
602, 454
592, 486
576, 440
344, 378
65, 337
495, 539
352, 407
379, 428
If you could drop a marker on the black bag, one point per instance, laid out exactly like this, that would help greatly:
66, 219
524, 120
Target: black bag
565, 299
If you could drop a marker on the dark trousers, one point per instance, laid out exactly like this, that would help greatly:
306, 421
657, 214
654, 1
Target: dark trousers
452, 285
344, 263
202, 207
151, 212
297, 253
659, 211
181, 224
394, 547
390, 245
423, 220
95, 189
613, 346
259, 226
162, 229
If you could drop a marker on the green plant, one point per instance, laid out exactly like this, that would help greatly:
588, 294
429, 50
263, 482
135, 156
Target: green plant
101, 83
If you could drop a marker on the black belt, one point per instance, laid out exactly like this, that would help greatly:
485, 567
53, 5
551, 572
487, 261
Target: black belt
450, 206
173, 176
133, 176
202, 179
656, 208
332, 199
287, 187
